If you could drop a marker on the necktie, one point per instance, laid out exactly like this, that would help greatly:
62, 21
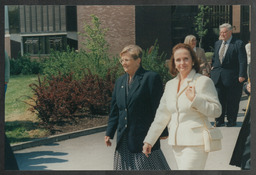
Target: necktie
222, 51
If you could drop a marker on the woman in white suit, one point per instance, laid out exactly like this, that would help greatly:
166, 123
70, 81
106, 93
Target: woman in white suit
188, 100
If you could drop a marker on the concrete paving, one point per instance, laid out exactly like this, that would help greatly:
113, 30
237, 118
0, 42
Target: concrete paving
90, 153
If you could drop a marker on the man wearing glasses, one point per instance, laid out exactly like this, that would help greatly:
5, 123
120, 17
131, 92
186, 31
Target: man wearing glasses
228, 72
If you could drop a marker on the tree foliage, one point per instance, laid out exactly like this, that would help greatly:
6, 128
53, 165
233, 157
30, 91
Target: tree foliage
95, 39
201, 22
155, 61
95, 56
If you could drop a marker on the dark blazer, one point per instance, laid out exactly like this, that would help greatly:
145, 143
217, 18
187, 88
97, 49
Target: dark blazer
234, 63
135, 114
241, 156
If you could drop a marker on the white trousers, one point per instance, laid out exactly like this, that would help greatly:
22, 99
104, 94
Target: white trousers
190, 157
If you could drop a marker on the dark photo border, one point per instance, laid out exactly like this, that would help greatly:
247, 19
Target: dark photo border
252, 3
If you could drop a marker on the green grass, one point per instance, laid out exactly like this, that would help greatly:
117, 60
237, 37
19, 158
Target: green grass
21, 131
17, 89
21, 125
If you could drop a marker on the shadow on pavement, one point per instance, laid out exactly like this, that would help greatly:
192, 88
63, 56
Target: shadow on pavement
36, 160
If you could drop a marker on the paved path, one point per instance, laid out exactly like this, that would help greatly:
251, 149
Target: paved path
90, 153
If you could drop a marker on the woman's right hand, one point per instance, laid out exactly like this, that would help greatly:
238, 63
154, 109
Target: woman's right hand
107, 141
147, 149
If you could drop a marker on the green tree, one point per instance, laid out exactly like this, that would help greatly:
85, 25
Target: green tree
153, 60
95, 42
201, 21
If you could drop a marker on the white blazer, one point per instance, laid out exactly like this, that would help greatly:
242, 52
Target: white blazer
183, 117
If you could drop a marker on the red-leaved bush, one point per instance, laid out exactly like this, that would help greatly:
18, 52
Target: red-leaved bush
62, 98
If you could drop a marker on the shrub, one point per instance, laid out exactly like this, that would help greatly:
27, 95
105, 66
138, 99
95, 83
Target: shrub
77, 62
98, 92
151, 60
64, 62
209, 56
24, 65
62, 98
94, 57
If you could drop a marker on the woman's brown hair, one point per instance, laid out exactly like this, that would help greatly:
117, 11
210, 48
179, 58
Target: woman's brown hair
196, 64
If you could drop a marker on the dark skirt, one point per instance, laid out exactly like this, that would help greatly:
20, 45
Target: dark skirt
125, 160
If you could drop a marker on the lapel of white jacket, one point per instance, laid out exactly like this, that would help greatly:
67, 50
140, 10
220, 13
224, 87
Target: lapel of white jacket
186, 82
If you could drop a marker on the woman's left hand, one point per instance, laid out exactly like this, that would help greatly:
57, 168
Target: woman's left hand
190, 93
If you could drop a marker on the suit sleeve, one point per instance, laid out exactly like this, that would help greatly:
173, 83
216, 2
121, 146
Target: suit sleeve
214, 54
242, 59
156, 92
162, 118
248, 49
206, 100
113, 116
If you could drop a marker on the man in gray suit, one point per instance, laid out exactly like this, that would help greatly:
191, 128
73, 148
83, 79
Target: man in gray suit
228, 72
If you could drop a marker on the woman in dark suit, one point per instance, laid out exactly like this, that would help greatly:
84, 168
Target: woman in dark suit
135, 99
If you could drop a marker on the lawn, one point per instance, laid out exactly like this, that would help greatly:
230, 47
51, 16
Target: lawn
17, 89
20, 124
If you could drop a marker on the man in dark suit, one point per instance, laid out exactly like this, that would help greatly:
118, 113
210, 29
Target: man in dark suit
228, 72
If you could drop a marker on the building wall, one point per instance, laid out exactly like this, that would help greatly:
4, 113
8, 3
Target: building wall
120, 20
236, 18
42, 18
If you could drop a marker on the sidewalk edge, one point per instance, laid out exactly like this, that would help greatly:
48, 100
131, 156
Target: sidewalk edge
56, 138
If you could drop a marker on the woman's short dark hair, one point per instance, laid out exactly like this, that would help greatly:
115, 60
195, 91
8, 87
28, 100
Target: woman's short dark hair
172, 67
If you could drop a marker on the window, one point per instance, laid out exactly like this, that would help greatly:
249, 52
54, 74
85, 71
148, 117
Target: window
32, 46
44, 44
71, 18
42, 18
14, 19
219, 14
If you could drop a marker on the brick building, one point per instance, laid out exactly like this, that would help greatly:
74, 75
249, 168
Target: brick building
36, 29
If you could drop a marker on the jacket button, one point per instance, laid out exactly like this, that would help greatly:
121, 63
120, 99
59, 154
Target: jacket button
125, 109
126, 126
125, 118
